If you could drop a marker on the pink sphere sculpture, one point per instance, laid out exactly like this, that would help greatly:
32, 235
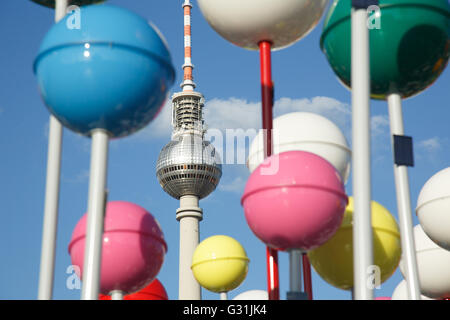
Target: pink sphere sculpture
294, 200
133, 247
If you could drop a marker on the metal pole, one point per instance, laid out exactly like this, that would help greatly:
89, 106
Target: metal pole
295, 277
223, 296
295, 271
116, 295
189, 215
267, 95
96, 215
404, 203
307, 276
362, 227
50, 224
267, 119
60, 9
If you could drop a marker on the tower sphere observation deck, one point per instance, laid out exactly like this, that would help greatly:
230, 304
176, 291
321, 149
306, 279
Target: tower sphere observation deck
188, 165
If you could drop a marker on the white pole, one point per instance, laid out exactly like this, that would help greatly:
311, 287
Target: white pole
404, 203
295, 276
223, 296
189, 215
96, 213
60, 9
362, 227
295, 271
50, 224
116, 295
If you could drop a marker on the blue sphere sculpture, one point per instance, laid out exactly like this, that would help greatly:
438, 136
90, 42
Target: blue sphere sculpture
110, 71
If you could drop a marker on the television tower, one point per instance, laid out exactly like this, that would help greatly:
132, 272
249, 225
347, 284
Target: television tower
188, 167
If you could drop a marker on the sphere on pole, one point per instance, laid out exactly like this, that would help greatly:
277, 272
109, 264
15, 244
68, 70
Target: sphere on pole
433, 208
408, 44
432, 265
252, 295
333, 261
401, 292
133, 248
154, 291
247, 23
294, 200
81, 71
220, 263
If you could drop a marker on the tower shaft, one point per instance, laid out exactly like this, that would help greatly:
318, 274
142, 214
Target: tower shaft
189, 214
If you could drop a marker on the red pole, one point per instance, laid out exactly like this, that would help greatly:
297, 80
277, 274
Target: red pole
272, 274
307, 276
267, 122
267, 95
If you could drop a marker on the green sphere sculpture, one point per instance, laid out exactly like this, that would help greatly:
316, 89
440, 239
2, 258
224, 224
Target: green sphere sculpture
409, 44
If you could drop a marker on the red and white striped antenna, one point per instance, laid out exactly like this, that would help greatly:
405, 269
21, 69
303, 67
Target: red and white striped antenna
187, 106
188, 82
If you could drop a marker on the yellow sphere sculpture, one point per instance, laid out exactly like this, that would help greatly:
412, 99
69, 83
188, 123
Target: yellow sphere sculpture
333, 261
220, 263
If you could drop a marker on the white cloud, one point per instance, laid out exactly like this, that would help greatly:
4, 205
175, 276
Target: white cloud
235, 113
80, 177
381, 138
430, 145
236, 185
225, 116
379, 125
239, 113
160, 127
335, 110
429, 151
232, 113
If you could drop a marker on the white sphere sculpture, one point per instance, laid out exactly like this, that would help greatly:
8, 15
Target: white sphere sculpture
248, 22
304, 131
252, 295
401, 292
433, 266
433, 208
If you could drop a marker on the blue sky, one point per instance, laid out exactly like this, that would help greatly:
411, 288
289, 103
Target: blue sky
228, 76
